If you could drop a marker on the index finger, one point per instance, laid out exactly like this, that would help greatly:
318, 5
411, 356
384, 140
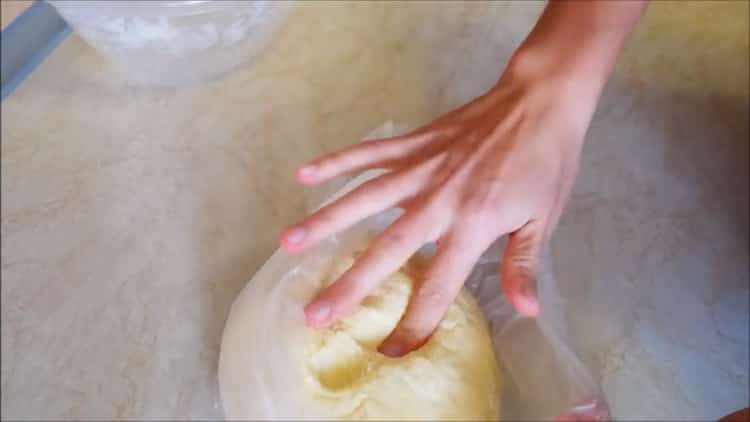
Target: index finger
388, 252
452, 264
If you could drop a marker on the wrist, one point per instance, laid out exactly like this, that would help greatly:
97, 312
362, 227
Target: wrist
545, 80
548, 65
575, 44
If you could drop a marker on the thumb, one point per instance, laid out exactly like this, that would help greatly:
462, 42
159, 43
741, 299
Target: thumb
518, 268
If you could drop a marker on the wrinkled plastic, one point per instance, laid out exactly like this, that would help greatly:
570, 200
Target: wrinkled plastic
543, 379
173, 43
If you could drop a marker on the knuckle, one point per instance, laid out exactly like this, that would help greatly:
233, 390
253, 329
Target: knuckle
332, 158
527, 247
376, 144
522, 263
320, 219
409, 332
347, 290
392, 239
375, 184
333, 211
450, 130
340, 157
432, 296
385, 148
435, 207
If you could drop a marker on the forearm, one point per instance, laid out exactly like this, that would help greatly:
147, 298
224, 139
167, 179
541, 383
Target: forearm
577, 41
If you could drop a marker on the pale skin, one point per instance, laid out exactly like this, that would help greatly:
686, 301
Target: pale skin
501, 165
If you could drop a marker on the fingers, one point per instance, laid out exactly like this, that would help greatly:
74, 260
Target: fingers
385, 256
365, 155
367, 199
518, 267
451, 265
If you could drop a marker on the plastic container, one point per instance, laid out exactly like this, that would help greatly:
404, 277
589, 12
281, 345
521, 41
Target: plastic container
172, 43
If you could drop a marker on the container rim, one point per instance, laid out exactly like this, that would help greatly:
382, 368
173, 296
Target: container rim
151, 8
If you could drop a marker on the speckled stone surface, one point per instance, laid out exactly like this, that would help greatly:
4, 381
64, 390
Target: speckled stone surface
131, 217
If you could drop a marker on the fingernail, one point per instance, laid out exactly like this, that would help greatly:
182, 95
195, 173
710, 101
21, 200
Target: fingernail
319, 313
295, 235
393, 350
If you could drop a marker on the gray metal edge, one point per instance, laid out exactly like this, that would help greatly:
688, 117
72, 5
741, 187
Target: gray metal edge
27, 41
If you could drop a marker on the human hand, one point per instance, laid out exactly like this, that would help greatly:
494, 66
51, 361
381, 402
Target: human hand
501, 164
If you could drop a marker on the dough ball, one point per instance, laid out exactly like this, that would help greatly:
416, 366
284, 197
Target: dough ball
273, 367
453, 376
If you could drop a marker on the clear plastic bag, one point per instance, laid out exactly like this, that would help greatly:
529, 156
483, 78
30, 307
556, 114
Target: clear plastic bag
549, 382
543, 379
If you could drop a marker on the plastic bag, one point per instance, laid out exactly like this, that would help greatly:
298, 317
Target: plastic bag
547, 380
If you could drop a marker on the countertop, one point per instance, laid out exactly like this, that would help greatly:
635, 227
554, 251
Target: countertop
131, 218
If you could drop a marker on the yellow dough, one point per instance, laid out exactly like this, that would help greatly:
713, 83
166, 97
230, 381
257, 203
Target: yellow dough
453, 376
273, 367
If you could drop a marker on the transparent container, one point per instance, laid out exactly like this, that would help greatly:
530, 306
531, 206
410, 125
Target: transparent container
173, 43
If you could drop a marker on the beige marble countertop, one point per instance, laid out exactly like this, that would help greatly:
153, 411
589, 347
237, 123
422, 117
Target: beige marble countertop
131, 218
